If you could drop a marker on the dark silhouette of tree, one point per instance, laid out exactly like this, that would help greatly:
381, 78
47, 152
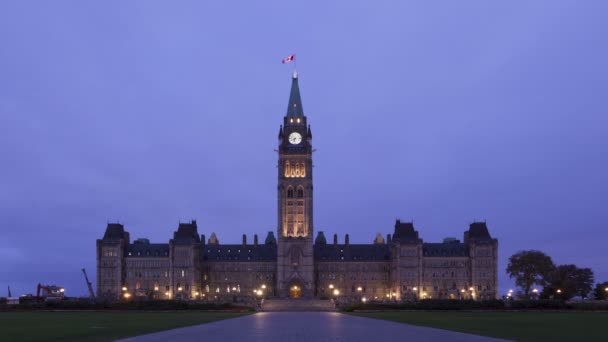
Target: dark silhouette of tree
530, 268
568, 281
601, 291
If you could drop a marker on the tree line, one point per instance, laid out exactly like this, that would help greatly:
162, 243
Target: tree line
535, 268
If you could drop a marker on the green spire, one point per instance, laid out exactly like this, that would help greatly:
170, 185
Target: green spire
294, 108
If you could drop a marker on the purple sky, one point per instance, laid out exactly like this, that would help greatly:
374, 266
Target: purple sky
153, 113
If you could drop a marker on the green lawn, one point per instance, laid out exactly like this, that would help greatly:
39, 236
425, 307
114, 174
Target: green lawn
96, 326
519, 326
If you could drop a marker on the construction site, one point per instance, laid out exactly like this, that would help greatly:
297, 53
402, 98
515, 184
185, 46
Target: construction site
46, 293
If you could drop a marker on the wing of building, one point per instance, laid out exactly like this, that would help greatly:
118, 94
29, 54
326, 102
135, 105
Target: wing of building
292, 264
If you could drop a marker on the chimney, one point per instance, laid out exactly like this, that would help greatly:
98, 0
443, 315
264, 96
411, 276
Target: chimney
255, 239
346, 240
335, 239
244, 240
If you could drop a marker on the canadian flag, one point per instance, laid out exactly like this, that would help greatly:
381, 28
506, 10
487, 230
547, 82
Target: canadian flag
288, 59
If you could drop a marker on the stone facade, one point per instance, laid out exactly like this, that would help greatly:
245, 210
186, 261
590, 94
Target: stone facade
291, 264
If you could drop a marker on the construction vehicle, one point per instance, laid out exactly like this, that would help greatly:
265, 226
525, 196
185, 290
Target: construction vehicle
91, 293
49, 293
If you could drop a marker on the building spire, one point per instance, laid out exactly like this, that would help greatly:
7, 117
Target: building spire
294, 107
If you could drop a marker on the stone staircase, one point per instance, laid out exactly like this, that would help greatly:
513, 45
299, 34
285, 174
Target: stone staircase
298, 305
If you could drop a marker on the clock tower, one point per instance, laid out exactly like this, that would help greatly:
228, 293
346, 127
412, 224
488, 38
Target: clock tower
295, 223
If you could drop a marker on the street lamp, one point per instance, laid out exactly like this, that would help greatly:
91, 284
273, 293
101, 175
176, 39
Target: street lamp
336, 292
124, 288
364, 300
264, 286
359, 289
331, 286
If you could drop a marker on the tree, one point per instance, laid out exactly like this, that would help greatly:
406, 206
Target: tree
530, 268
584, 282
601, 291
568, 281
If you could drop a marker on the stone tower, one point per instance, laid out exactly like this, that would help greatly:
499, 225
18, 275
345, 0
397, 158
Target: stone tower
295, 201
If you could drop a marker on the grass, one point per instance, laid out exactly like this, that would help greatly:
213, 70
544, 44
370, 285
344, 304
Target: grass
96, 325
518, 326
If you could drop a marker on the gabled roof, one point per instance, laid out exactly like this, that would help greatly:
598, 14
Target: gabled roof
186, 233
351, 252
115, 231
240, 253
478, 231
320, 240
405, 232
270, 239
294, 107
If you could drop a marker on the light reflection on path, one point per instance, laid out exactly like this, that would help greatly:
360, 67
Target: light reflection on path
306, 326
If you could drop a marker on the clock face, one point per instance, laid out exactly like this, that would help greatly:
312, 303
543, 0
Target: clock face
295, 138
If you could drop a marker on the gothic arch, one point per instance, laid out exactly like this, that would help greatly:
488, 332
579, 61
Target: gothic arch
297, 169
300, 192
290, 192
295, 255
287, 169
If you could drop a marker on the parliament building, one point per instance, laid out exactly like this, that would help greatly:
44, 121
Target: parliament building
293, 263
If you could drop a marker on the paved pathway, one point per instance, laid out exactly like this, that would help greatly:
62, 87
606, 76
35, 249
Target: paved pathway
306, 326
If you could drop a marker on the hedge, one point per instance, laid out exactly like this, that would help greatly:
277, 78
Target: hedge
151, 305
438, 304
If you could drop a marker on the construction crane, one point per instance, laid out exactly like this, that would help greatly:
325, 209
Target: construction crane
50, 293
91, 293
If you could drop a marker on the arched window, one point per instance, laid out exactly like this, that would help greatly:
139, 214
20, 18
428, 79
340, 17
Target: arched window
300, 192
297, 170
290, 193
303, 170
287, 169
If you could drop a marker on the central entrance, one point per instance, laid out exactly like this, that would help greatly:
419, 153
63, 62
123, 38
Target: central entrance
295, 291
